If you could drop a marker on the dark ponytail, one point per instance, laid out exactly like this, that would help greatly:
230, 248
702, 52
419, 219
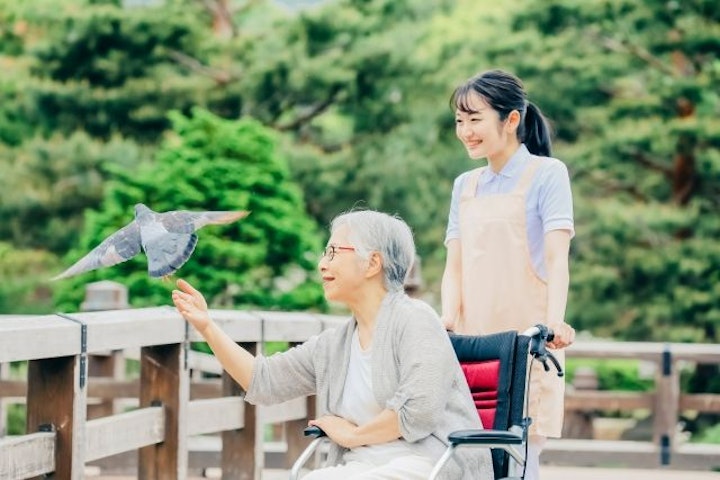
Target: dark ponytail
504, 92
535, 133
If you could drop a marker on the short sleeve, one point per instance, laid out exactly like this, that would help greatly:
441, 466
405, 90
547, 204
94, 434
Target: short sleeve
555, 202
453, 225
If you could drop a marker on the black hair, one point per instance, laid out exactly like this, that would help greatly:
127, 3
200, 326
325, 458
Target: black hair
504, 92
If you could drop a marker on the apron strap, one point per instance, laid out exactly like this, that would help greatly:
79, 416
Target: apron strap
470, 184
528, 175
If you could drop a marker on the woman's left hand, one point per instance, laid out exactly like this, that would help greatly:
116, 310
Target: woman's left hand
564, 335
339, 430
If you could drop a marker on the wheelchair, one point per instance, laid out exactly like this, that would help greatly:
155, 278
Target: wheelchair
496, 369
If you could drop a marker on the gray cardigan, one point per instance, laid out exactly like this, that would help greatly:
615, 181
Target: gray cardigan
414, 372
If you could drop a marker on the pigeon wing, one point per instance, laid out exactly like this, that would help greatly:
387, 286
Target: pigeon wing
187, 222
169, 252
119, 247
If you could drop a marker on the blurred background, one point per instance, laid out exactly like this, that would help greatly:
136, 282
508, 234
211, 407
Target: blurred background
299, 110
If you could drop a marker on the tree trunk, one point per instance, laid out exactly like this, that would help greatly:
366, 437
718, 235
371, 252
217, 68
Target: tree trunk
222, 21
684, 179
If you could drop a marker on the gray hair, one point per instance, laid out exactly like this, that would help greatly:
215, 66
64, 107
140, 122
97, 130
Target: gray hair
372, 231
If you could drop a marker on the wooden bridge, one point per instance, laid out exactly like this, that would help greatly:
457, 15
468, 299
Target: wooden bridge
168, 420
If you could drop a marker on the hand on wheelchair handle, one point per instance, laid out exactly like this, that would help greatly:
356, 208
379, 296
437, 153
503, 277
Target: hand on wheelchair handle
541, 336
563, 335
550, 336
314, 431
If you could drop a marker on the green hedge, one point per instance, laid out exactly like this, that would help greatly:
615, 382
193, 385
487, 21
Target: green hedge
612, 374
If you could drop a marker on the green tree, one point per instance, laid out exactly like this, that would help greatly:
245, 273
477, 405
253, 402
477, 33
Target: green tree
82, 82
22, 274
266, 260
355, 87
112, 70
633, 89
47, 183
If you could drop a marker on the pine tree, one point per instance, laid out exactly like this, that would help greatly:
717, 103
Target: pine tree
633, 89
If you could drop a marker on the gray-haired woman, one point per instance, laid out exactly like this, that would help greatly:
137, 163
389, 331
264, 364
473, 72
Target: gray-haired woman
388, 384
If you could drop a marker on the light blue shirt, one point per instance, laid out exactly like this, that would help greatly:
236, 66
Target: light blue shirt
548, 202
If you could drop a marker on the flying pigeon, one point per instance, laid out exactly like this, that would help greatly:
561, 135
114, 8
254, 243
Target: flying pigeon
167, 238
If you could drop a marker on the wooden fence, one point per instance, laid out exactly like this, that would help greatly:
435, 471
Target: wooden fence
666, 404
73, 418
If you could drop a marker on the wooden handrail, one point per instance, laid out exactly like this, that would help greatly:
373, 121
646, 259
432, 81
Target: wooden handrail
62, 438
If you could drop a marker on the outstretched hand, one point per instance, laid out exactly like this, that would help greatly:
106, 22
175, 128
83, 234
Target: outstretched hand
191, 304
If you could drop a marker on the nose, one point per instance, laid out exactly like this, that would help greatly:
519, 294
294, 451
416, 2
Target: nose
322, 263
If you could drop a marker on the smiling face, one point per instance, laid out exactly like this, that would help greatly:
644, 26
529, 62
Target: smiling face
343, 276
481, 131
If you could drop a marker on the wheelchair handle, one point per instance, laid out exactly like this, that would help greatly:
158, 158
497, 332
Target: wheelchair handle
539, 336
314, 431
555, 363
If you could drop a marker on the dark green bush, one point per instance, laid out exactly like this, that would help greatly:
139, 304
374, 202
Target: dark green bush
612, 374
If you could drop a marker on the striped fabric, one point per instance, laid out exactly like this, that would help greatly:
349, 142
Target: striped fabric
483, 378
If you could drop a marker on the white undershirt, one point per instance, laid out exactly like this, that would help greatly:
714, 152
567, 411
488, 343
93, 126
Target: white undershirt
359, 406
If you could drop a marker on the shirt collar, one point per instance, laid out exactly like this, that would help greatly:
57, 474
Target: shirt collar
512, 167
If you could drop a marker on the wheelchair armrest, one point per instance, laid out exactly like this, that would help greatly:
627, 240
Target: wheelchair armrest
313, 431
493, 437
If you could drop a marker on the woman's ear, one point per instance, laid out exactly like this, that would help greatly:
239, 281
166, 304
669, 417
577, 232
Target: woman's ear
374, 264
512, 122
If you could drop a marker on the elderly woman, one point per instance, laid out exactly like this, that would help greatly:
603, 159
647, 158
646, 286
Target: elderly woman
388, 384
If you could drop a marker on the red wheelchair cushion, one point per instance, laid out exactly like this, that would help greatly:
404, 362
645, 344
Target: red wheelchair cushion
483, 379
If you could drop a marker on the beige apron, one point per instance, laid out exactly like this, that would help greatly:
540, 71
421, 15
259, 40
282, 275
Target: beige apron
500, 289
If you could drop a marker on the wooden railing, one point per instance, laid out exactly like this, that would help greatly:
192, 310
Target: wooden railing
666, 403
62, 439
64, 431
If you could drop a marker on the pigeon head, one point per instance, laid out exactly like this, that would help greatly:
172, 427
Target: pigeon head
141, 210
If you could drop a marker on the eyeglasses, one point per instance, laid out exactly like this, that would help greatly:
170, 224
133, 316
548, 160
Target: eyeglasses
331, 250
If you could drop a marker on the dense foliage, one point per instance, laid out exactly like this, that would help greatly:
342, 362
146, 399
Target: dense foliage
214, 164
356, 94
635, 92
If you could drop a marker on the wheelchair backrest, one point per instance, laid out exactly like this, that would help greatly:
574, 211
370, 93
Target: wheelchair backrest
495, 369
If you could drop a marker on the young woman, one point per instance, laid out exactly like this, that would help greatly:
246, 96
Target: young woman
387, 405
508, 234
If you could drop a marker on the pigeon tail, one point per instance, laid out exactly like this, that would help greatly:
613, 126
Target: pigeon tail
167, 257
218, 218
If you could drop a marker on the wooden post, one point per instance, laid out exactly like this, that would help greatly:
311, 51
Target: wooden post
108, 365
579, 423
56, 400
242, 450
667, 402
4, 375
164, 381
105, 295
296, 441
